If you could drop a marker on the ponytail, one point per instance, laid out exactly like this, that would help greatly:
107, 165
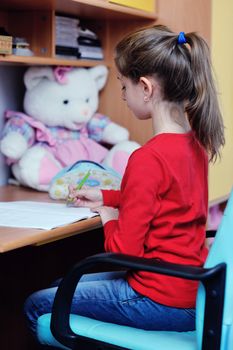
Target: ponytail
203, 107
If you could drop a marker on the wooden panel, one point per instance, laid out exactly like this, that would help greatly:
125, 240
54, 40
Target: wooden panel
36, 27
186, 15
111, 101
4, 19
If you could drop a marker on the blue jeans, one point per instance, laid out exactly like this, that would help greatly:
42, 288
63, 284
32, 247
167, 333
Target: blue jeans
108, 297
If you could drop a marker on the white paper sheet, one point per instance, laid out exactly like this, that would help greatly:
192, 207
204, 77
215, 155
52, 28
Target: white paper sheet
40, 214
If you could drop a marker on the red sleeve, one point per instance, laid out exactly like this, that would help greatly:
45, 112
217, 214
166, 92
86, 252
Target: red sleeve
142, 185
111, 198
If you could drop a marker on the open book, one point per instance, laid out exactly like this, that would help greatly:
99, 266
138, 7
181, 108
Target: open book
40, 214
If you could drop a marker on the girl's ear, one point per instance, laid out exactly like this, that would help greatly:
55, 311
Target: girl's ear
147, 87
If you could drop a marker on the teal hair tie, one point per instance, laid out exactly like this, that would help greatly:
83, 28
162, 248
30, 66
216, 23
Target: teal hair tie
181, 38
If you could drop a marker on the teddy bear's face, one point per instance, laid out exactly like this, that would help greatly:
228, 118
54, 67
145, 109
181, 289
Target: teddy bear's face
69, 105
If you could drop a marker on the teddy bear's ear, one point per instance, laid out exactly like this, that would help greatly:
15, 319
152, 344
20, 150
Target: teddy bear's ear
100, 74
34, 75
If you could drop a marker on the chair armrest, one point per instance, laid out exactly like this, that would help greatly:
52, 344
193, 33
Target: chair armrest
60, 326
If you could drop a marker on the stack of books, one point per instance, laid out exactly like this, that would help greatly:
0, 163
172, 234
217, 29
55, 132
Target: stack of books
89, 45
74, 41
66, 37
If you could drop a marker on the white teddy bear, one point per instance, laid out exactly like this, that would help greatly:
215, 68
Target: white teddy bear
60, 126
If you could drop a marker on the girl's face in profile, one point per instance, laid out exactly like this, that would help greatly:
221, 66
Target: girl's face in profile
133, 94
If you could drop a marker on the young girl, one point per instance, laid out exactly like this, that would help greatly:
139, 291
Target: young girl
161, 209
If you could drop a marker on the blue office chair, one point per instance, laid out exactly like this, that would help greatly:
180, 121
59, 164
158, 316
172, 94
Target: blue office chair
214, 306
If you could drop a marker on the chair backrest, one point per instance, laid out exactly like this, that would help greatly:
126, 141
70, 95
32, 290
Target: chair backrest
221, 251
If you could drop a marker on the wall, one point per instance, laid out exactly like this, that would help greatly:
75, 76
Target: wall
221, 173
11, 94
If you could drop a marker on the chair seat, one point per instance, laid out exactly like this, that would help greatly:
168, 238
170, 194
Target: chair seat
132, 338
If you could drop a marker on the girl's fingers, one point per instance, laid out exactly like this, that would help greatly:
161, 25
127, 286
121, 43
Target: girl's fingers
96, 210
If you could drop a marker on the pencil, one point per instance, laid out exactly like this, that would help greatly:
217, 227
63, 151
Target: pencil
79, 186
82, 182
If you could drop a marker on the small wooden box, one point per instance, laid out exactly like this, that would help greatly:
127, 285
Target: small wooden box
5, 44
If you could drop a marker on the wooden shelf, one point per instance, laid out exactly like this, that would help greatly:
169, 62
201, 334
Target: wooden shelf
83, 8
36, 60
102, 9
35, 20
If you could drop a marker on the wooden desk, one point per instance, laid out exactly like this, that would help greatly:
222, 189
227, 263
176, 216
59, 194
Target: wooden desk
12, 238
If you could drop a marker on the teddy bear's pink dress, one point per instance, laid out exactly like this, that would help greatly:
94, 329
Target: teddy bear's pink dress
67, 146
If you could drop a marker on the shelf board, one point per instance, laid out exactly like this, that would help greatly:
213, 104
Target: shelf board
102, 9
35, 60
84, 8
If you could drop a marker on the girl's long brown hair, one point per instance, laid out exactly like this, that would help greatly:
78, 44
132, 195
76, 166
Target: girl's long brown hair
184, 72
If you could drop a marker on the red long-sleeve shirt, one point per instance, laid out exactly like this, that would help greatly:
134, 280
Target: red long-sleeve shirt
162, 205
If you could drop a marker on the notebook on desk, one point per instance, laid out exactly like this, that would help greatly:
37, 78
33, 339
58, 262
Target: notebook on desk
40, 215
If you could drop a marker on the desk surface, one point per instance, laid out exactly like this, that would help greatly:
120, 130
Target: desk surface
12, 238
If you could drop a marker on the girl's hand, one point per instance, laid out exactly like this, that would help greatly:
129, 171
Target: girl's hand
107, 213
90, 198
